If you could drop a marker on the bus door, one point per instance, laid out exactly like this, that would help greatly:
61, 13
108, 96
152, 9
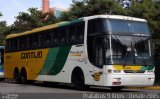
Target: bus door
98, 51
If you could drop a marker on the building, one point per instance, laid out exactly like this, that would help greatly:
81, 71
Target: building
54, 10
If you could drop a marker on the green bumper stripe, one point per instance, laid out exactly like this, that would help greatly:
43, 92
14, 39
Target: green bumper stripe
147, 68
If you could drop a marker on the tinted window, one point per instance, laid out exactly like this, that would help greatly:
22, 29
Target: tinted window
14, 44
80, 32
55, 37
71, 34
22, 43
63, 35
33, 41
47, 38
96, 26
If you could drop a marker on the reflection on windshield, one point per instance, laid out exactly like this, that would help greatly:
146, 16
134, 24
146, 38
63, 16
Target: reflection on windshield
132, 27
129, 50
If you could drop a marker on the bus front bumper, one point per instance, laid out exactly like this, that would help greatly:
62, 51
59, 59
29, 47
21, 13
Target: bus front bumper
130, 80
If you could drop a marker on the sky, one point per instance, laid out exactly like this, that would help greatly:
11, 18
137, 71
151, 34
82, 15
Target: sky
11, 8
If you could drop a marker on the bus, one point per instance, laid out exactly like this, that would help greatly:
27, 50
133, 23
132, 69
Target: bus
1, 62
102, 50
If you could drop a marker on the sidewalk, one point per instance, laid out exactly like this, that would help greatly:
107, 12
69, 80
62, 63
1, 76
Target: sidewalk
146, 88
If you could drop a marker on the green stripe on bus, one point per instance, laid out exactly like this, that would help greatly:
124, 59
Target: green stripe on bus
70, 22
55, 60
50, 60
147, 68
60, 60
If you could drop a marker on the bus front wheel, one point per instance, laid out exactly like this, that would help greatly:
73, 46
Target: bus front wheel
78, 79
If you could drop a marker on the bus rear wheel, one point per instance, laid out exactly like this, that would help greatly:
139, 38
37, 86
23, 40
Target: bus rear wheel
17, 78
23, 76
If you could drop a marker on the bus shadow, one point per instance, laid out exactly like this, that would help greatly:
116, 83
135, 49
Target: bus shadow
71, 87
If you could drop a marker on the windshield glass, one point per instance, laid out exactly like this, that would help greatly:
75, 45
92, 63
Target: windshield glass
123, 42
116, 26
129, 50
101, 26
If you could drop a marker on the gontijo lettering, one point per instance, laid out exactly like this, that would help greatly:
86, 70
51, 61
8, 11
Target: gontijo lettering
31, 55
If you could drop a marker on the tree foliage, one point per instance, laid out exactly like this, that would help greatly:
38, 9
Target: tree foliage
81, 8
32, 19
3, 28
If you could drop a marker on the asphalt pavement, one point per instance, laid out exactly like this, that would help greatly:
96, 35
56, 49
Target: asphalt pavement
40, 90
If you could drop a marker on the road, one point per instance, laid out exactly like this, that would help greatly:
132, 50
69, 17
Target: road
40, 90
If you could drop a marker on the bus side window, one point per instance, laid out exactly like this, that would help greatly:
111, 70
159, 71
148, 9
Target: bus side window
95, 27
41, 40
15, 44
80, 32
22, 43
71, 34
7, 45
52, 37
63, 35
33, 41
48, 39
55, 37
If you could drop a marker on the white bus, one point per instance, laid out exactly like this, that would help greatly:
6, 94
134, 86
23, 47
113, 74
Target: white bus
102, 50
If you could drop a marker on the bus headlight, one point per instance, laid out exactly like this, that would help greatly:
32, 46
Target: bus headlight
114, 71
116, 79
151, 79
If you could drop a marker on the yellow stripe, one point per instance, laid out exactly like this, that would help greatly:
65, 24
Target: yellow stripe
35, 30
120, 67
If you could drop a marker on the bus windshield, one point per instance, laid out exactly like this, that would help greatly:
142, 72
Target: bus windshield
127, 27
125, 42
129, 50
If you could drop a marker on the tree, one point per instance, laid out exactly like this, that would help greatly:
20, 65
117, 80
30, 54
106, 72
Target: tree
81, 8
145, 10
149, 10
32, 19
3, 29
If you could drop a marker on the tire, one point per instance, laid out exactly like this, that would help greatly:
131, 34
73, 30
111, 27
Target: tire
117, 88
17, 77
78, 80
23, 76
46, 83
